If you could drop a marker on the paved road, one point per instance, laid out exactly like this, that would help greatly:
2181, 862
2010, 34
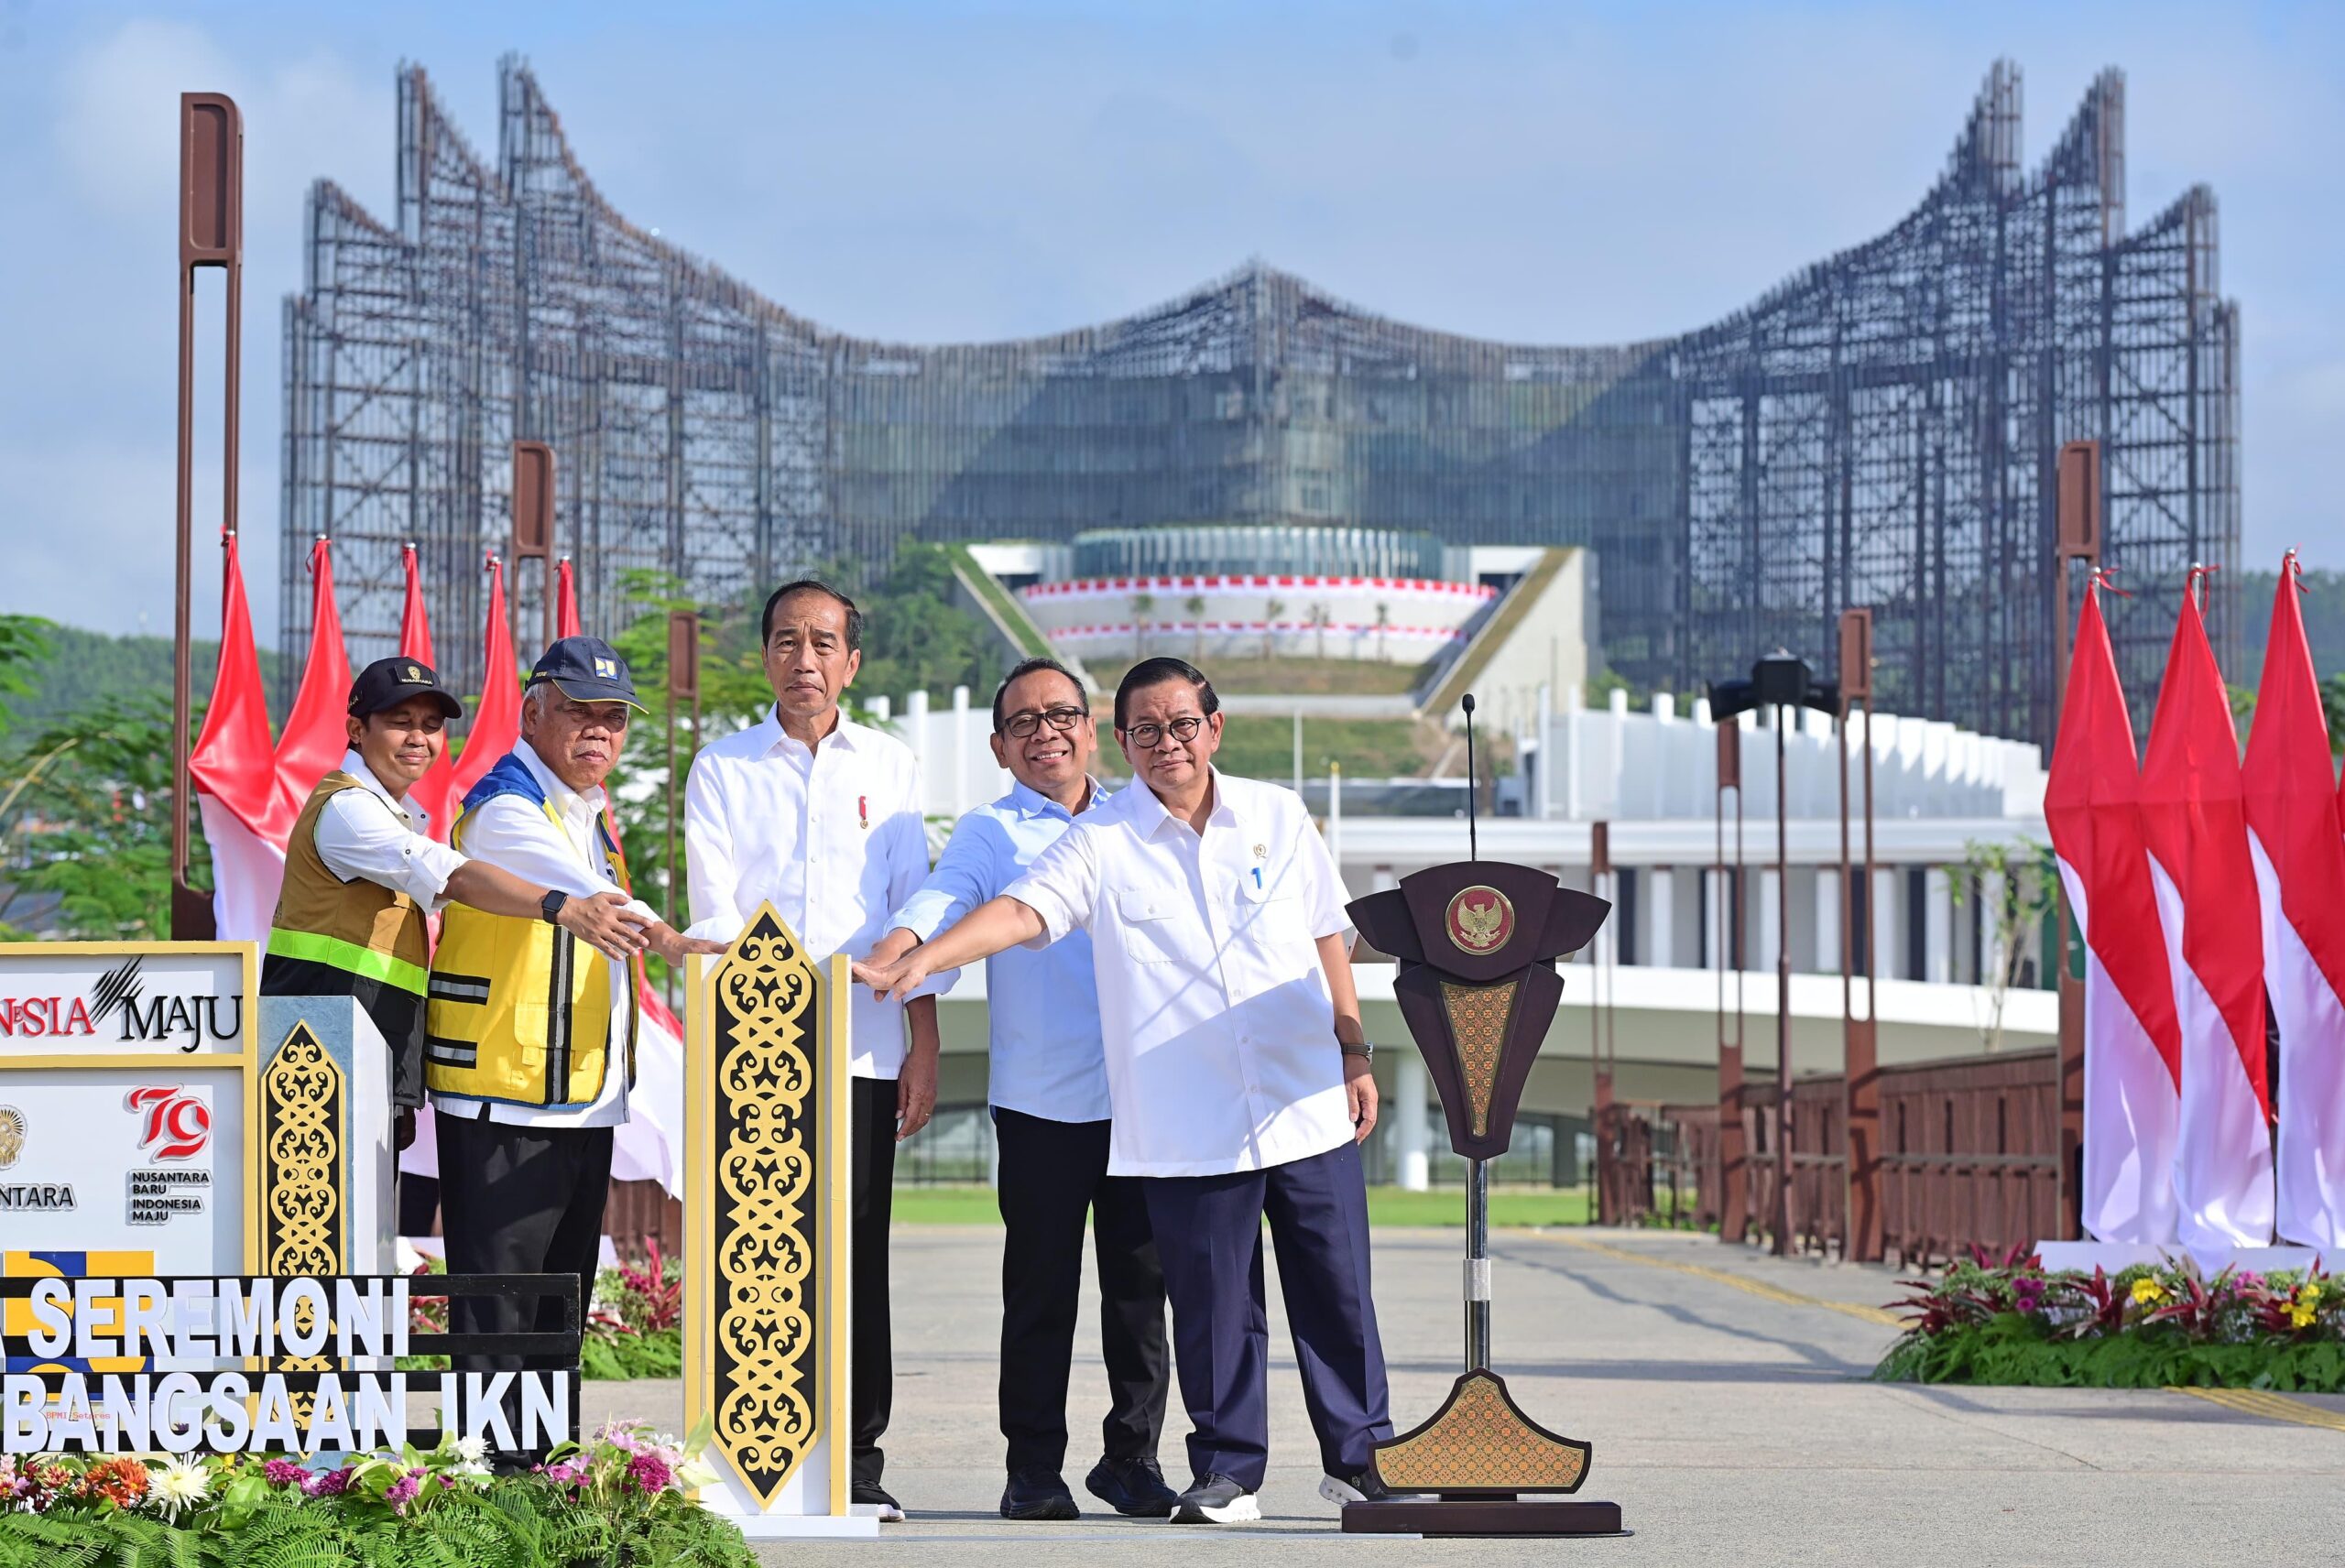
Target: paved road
1726, 1397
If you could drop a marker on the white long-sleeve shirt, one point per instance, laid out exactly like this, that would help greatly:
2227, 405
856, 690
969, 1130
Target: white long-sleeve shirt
832, 837
363, 834
510, 831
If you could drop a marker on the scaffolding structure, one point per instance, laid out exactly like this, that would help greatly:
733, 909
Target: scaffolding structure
1880, 430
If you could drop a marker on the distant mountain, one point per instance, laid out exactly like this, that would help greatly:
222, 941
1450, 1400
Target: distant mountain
83, 666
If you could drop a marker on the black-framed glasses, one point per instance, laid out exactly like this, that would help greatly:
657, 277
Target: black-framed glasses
1183, 729
1023, 725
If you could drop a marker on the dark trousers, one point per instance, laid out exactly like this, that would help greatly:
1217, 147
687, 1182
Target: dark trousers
1052, 1174
1209, 1234
871, 1149
518, 1200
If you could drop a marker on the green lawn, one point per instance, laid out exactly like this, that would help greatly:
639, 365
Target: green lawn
1386, 1206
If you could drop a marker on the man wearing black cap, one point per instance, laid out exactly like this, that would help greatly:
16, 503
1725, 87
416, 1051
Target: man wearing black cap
361, 873
530, 1045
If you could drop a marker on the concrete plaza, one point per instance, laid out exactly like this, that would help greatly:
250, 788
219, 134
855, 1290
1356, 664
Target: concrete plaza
1725, 1394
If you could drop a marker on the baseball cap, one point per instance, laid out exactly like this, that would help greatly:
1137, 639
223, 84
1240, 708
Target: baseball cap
586, 670
387, 682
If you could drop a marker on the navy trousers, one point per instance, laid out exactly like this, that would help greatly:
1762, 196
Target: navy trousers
1209, 1239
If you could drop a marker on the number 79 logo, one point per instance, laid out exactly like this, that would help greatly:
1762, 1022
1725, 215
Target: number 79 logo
178, 1123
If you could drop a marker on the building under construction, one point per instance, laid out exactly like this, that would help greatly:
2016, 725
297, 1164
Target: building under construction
1879, 431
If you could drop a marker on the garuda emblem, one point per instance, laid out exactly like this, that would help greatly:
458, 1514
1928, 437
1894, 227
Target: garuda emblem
1481, 921
12, 1135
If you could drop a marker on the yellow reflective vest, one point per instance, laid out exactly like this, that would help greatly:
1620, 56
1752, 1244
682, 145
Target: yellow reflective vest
518, 1011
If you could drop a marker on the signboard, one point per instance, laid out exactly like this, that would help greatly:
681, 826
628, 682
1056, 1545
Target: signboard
127, 1081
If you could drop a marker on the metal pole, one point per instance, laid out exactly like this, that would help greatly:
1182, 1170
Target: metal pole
1477, 1264
684, 685
1863, 1238
1731, 1198
1782, 1247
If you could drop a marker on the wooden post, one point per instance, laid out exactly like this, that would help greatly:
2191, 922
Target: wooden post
212, 233
1860, 1073
532, 532
1599, 872
1733, 1197
2079, 540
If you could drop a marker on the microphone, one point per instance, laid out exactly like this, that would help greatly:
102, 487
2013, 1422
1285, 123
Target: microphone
1473, 789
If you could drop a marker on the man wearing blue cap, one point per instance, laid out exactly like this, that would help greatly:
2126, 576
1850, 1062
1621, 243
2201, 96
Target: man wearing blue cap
529, 1043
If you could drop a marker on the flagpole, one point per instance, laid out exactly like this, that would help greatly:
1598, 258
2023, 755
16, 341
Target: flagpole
2078, 524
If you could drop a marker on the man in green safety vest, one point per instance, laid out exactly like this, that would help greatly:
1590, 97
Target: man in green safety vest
362, 873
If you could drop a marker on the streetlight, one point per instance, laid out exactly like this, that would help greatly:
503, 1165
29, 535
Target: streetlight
1779, 681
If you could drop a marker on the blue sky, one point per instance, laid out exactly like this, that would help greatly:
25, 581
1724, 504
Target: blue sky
927, 172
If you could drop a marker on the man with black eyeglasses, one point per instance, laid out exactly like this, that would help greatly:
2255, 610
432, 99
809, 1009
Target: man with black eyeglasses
1238, 1068
1048, 1086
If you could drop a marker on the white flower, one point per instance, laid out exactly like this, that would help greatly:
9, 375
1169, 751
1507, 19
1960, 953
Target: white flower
471, 1448
179, 1485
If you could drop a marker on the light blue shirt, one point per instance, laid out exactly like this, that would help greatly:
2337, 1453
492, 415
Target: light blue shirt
1042, 1004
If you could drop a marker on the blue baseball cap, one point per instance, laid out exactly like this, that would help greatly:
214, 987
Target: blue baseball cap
586, 670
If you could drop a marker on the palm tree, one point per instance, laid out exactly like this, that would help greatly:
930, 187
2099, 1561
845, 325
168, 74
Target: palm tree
1270, 614
1143, 605
1195, 606
1383, 624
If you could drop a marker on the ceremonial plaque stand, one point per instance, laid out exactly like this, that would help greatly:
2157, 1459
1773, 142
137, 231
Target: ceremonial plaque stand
766, 1255
1478, 942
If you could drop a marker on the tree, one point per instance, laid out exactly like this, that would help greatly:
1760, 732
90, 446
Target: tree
24, 643
1270, 614
1383, 624
1195, 606
1143, 606
2027, 877
85, 814
1320, 620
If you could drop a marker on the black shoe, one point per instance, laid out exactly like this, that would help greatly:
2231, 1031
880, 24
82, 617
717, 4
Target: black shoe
871, 1493
1133, 1488
1216, 1500
1365, 1487
1037, 1495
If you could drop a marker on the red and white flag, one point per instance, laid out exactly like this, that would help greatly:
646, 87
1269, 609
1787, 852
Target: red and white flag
434, 794
2132, 1042
495, 726
317, 732
565, 611
2293, 832
234, 770
2195, 816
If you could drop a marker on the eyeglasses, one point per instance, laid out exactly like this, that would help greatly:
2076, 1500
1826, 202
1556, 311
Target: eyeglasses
1183, 729
1023, 725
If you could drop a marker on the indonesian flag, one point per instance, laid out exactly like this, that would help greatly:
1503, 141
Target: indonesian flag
233, 771
497, 721
565, 611
317, 732
2195, 816
2132, 1042
433, 793
2292, 831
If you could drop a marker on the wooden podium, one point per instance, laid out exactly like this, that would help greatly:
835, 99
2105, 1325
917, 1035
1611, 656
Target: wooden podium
765, 1255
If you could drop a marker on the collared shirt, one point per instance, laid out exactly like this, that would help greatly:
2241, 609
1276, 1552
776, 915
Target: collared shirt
510, 831
1219, 1029
366, 834
1042, 1008
830, 836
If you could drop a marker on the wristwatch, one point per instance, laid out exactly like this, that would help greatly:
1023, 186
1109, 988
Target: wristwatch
1364, 1049
550, 905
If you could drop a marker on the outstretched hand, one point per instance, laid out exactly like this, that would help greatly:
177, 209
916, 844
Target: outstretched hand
603, 922
897, 980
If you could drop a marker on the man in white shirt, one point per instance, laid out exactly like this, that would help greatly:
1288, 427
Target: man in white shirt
1239, 1071
362, 871
1048, 1084
821, 816
530, 1046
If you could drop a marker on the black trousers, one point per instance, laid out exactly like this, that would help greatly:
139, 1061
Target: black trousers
518, 1200
871, 1357
1053, 1173
1211, 1235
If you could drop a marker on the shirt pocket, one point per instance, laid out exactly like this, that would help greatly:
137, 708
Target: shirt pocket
1160, 928
1270, 916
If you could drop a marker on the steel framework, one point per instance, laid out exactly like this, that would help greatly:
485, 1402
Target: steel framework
1880, 430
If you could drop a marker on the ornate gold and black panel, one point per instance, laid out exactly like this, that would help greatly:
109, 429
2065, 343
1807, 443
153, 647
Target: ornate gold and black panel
756, 1151
304, 1212
1478, 1018
1479, 1442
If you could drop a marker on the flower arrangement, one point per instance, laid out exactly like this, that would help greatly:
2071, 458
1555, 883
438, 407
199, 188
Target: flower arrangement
623, 1495
2008, 1320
